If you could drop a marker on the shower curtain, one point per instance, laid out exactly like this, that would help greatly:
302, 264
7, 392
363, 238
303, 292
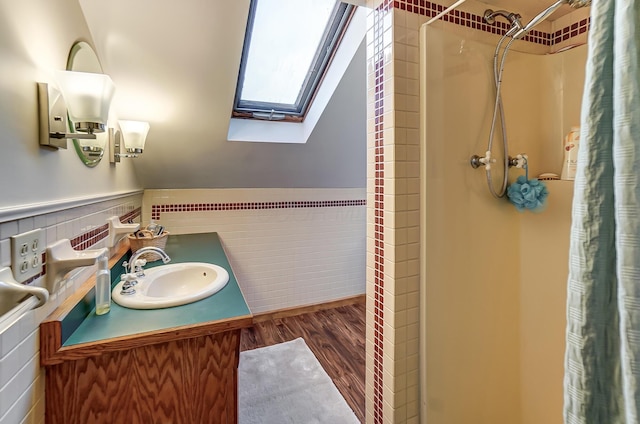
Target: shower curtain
602, 361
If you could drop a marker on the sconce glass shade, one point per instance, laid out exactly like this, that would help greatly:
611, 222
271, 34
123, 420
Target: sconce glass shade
88, 98
134, 134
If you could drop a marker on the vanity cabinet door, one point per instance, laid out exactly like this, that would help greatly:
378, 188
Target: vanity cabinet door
184, 381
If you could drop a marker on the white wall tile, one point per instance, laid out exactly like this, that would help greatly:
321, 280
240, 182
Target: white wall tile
29, 406
18, 357
20, 382
21, 378
8, 229
25, 224
281, 257
5, 252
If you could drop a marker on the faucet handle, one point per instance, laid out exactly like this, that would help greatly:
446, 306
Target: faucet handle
137, 267
129, 279
127, 288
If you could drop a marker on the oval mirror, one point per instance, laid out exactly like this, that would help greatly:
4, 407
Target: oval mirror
83, 58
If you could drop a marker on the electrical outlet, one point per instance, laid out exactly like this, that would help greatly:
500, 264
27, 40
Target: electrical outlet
26, 254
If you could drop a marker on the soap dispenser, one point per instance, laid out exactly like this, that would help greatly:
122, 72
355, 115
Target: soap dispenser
103, 286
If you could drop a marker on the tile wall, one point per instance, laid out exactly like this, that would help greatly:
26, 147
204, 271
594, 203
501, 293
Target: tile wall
287, 247
393, 188
21, 378
393, 195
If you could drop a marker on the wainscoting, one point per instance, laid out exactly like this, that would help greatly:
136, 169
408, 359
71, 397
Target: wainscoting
287, 247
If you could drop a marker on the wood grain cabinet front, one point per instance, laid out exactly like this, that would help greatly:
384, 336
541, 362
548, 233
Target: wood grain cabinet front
186, 381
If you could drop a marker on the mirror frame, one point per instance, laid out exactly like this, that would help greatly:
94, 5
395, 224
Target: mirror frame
90, 159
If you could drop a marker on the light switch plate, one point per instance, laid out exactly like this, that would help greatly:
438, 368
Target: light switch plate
26, 254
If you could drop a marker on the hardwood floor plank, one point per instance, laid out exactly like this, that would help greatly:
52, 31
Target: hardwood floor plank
335, 336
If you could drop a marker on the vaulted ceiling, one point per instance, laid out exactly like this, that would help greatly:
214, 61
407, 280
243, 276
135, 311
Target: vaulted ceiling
175, 64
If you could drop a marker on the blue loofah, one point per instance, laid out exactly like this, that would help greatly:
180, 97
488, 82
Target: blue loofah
527, 194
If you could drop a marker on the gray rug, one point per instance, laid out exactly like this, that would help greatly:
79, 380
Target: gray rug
285, 383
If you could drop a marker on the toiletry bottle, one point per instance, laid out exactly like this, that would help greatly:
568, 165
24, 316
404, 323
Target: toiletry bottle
571, 145
103, 286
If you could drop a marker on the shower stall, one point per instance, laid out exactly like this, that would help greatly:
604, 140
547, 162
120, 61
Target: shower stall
493, 280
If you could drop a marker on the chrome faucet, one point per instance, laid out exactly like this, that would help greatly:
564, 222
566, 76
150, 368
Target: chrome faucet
135, 263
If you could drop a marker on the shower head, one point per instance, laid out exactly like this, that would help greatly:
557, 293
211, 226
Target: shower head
513, 18
490, 16
548, 11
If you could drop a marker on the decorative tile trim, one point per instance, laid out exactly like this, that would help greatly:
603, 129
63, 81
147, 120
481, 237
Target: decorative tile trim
469, 20
85, 240
88, 239
378, 210
156, 210
570, 31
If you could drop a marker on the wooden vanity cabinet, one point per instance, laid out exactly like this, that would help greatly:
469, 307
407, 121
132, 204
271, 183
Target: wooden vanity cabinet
186, 381
191, 380
175, 365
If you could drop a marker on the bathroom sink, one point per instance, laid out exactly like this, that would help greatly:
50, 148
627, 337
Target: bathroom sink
173, 285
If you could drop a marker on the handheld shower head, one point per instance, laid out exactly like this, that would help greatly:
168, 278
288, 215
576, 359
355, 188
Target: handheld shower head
513, 18
548, 11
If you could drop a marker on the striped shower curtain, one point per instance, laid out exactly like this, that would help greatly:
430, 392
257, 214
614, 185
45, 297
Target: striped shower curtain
602, 361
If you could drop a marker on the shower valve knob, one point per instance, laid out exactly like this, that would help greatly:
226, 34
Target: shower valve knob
487, 161
477, 161
520, 161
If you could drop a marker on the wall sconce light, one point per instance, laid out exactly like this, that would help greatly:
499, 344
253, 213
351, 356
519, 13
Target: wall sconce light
132, 137
83, 98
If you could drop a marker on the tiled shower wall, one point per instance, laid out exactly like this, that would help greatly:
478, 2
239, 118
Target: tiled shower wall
393, 193
21, 378
287, 247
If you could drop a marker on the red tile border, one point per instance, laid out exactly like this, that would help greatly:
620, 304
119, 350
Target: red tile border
469, 20
156, 210
378, 210
88, 239
457, 17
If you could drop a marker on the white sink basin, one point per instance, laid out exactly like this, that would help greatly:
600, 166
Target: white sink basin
173, 285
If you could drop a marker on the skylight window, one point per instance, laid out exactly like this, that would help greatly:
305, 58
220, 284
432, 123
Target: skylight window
287, 48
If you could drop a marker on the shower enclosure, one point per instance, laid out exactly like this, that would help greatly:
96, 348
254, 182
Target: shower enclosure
493, 279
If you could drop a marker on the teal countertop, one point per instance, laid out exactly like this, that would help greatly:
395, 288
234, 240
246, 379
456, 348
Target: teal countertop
228, 303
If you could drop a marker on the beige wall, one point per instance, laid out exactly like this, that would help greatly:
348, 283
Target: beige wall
495, 279
544, 257
544, 247
471, 246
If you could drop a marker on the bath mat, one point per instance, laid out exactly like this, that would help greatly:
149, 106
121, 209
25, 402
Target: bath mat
285, 383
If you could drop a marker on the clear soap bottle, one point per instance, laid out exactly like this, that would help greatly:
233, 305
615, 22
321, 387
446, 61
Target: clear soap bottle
103, 286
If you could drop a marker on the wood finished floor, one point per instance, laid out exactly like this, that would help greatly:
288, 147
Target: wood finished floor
336, 337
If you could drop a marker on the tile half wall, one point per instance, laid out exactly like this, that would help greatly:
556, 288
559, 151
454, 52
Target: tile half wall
84, 224
287, 247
